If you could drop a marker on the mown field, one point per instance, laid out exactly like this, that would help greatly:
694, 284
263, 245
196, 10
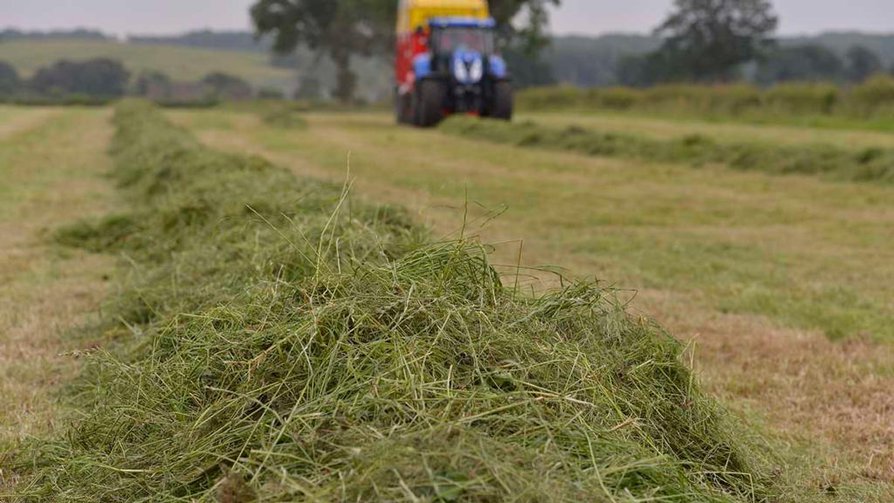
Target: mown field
782, 282
779, 285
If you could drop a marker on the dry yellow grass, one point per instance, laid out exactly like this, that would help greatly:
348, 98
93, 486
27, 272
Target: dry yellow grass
51, 162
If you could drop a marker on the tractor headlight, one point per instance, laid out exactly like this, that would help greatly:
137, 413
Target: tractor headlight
460, 71
476, 70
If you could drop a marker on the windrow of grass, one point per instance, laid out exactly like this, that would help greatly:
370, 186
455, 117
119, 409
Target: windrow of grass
873, 99
274, 340
873, 164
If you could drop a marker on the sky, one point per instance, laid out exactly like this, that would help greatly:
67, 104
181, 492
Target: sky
122, 17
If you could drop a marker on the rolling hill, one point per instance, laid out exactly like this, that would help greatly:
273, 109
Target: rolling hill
179, 62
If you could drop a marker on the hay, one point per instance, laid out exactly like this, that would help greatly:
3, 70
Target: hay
875, 165
275, 340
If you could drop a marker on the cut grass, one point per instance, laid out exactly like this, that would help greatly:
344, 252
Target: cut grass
804, 252
689, 241
866, 165
44, 293
670, 128
277, 341
866, 106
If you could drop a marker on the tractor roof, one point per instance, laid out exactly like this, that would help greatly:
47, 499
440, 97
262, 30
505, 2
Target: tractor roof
413, 14
461, 22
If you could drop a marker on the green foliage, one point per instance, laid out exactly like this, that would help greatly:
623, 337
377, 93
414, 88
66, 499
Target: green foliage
706, 40
97, 77
531, 38
276, 341
528, 71
9, 79
345, 29
227, 86
283, 115
803, 63
802, 98
862, 63
730, 99
342, 28
873, 97
148, 81
269, 93
867, 165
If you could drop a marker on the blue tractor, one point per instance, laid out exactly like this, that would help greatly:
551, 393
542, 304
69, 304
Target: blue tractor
457, 71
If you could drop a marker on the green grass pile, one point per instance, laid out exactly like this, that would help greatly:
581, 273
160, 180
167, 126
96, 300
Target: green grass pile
275, 341
861, 165
284, 117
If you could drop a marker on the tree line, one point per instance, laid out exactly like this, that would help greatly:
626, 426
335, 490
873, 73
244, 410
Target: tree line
345, 29
718, 41
701, 41
105, 79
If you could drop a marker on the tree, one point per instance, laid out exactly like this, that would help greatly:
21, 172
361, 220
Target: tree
645, 70
528, 70
226, 86
862, 63
9, 79
340, 28
531, 37
346, 28
805, 63
98, 77
152, 83
707, 40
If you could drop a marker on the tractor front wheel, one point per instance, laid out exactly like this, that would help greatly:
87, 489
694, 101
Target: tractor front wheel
501, 108
428, 106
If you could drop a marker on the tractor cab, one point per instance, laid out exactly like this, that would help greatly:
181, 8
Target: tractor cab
463, 50
449, 35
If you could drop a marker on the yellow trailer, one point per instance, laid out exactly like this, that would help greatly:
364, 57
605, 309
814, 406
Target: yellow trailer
414, 14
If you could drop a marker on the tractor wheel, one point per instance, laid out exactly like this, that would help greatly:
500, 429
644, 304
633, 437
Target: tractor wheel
501, 108
428, 106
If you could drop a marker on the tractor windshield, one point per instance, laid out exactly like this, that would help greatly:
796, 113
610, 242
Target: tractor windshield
450, 39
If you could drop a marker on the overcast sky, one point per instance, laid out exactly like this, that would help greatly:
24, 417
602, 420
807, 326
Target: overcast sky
576, 16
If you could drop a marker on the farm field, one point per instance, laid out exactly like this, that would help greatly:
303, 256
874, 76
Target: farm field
721, 131
781, 285
181, 63
45, 293
762, 272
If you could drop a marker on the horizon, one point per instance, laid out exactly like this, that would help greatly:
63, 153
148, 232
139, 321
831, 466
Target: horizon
125, 36
799, 18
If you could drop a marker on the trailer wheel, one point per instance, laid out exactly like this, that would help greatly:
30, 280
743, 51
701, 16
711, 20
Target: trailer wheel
429, 102
403, 108
503, 101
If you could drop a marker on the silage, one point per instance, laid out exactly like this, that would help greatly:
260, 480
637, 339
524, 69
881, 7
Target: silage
275, 340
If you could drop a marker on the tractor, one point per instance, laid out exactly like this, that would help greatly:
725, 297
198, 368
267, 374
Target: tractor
447, 63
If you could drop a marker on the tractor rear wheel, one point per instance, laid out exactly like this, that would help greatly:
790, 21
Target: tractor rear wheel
501, 108
428, 106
